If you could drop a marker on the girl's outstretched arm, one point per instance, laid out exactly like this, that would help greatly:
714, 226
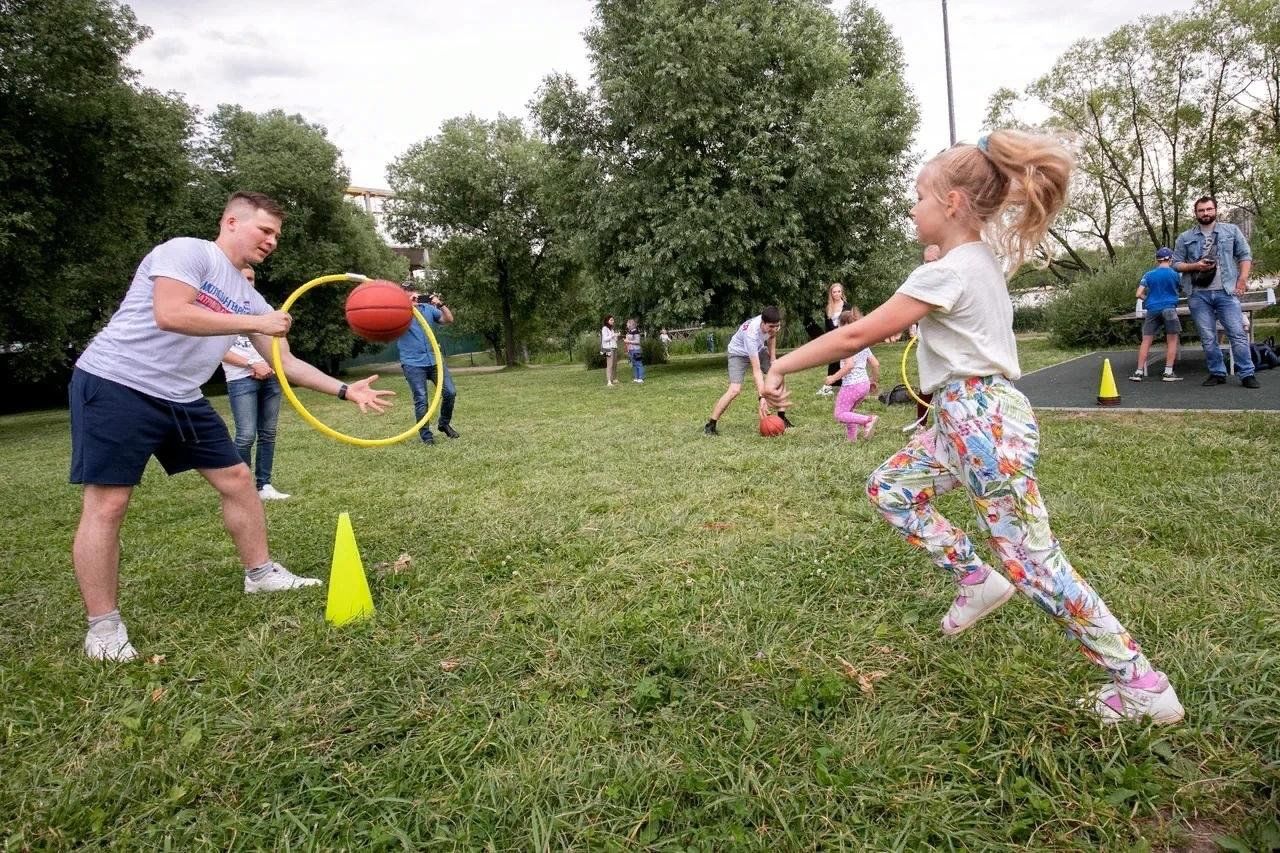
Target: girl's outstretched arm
893, 316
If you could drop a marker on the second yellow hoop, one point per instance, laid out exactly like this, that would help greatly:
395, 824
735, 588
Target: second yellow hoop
905, 380
325, 428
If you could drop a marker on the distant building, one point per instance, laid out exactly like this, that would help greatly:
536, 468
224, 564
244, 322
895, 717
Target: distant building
372, 201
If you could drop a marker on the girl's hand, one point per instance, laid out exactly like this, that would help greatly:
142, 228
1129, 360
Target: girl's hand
775, 390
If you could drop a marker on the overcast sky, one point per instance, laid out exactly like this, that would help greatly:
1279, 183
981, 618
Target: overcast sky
383, 74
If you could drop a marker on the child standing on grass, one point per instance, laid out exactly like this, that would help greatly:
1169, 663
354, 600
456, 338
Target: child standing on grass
1159, 294
985, 439
632, 340
859, 375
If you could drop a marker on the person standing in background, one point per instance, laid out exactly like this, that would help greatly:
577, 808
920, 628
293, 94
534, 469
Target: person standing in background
609, 347
831, 320
254, 395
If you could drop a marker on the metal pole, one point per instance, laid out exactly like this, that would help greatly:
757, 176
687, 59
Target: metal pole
951, 102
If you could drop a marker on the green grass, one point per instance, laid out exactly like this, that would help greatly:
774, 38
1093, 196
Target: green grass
648, 629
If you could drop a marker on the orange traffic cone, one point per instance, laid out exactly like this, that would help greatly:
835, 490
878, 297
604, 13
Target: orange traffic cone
1108, 395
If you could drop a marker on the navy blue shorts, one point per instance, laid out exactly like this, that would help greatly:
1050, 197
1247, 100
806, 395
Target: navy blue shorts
115, 430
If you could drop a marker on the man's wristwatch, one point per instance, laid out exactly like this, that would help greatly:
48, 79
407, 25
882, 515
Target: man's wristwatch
342, 392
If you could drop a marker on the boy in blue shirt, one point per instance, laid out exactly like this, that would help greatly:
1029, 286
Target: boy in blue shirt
1158, 291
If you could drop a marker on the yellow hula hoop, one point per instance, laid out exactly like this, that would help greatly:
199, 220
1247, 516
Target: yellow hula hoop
316, 422
907, 382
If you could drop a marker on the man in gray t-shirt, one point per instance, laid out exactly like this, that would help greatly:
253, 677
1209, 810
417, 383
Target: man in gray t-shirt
135, 393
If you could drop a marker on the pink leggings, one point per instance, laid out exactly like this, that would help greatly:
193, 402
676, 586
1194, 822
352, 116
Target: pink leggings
847, 400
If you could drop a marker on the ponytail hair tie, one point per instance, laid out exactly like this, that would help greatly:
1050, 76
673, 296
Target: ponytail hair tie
982, 143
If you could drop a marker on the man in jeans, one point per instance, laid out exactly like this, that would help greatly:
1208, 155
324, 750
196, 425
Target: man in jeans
419, 365
1215, 260
254, 395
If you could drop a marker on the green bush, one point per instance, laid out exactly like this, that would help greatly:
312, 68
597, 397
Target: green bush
1079, 317
1031, 318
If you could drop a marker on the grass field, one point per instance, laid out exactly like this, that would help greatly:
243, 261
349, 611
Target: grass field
616, 634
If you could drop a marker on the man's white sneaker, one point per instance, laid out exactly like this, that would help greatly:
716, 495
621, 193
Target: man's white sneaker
113, 644
1155, 699
825, 391
269, 493
975, 601
278, 580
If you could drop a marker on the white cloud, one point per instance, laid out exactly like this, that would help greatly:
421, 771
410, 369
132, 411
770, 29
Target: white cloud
383, 74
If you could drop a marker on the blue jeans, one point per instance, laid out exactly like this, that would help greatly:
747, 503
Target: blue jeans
1210, 307
418, 377
637, 366
255, 406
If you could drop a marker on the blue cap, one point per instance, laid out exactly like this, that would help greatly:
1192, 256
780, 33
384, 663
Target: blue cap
1164, 253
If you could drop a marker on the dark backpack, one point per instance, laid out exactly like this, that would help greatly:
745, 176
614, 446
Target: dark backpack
897, 395
1264, 354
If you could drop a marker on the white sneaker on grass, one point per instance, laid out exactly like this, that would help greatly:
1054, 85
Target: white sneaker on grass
1154, 699
269, 493
975, 601
278, 579
112, 644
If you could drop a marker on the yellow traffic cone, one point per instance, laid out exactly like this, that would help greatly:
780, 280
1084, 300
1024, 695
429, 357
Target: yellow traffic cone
1108, 395
349, 597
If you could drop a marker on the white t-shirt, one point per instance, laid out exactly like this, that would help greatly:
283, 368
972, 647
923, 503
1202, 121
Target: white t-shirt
859, 371
971, 331
244, 348
608, 340
748, 340
133, 351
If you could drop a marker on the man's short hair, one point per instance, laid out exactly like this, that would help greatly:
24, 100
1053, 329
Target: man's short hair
771, 314
257, 201
1213, 201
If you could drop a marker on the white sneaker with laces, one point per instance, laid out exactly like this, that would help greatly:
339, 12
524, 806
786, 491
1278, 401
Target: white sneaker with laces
1156, 700
278, 579
112, 644
825, 391
975, 601
269, 493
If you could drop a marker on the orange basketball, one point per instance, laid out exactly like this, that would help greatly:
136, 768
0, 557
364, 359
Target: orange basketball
771, 425
379, 311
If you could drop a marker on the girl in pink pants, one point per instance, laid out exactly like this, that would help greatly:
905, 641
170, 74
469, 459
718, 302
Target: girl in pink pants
859, 375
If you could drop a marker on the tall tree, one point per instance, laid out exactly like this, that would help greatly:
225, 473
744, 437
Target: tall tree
477, 191
731, 154
1163, 109
292, 160
92, 168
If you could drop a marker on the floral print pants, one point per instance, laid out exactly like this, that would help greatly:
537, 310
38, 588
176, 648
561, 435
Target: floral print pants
985, 438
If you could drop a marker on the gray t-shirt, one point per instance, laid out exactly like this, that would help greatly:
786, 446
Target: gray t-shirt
1211, 251
133, 351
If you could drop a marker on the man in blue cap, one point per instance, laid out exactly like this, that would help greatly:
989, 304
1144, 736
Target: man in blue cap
1158, 291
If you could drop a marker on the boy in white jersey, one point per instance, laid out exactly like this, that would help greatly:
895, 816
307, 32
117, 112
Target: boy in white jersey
135, 393
753, 348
